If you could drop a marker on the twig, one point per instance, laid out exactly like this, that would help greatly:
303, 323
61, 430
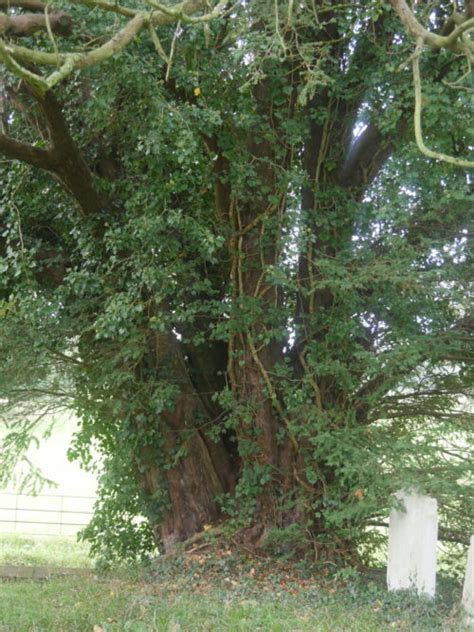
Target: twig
50, 32
172, 50
156, 41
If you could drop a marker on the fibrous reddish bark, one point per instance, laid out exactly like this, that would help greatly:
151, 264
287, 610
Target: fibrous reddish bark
204, 470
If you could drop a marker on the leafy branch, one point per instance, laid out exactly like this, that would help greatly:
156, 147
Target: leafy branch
18, 59
459, 162
458, 41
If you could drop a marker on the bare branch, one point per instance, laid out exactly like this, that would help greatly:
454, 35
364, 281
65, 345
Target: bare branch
177, 12
16, 150
24, 25
70, 165
107, 6
63, 157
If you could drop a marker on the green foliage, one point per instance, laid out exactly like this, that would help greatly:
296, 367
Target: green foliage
118, 531
306, 282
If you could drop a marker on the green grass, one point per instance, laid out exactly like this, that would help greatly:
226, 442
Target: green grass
16, 549
215, 590
113, 604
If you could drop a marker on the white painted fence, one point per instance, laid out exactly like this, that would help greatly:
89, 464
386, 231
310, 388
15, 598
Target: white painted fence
45, 514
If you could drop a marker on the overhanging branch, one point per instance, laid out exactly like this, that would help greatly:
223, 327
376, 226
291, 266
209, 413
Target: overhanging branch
27, 24
458, 41
70, 165
16, 150
454, 41
18, 58
458, 162
63, 157
13, 56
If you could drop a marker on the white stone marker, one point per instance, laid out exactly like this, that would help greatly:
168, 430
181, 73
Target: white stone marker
412, 540
468, 589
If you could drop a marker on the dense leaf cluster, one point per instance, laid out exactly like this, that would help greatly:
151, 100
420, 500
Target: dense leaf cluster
275, 293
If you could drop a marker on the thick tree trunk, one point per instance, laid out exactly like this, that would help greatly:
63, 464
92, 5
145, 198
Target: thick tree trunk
193, 483
203, 469
256, 350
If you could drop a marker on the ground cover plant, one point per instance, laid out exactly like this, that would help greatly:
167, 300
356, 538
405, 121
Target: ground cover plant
221, 588
235, 240
113, 605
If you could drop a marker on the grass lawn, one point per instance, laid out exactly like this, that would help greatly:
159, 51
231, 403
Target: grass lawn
16, 549
219, 590
72, 604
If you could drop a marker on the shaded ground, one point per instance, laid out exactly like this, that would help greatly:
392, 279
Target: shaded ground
218, 588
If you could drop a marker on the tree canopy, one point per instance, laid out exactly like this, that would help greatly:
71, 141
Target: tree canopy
235, 240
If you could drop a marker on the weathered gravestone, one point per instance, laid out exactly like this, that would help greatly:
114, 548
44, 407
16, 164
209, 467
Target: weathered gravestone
468, 590
412, 542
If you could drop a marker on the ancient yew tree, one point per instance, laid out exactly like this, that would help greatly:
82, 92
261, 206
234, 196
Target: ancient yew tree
223, 248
